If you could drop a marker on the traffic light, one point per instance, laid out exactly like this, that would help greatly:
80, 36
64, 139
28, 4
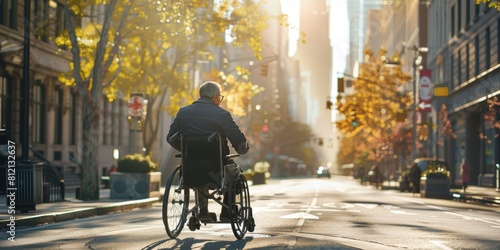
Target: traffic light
263, 69
329, 104
265, 128
353, 118
340, 85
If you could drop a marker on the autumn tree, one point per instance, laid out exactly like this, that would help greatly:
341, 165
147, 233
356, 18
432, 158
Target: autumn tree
491, 4
373, 113
142, 46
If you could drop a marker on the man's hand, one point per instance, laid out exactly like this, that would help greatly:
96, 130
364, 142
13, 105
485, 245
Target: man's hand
243, 148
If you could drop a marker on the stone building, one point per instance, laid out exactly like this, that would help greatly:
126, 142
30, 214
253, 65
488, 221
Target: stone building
55, 121
464, 56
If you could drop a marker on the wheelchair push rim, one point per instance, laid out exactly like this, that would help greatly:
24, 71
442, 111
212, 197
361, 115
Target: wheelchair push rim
175, 203
241, 213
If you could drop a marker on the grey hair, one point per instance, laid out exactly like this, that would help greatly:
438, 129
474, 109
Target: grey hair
209, 89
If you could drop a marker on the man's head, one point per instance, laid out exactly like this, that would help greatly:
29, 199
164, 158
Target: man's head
211, 90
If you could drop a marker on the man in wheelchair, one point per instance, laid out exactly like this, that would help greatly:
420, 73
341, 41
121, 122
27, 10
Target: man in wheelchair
204, 117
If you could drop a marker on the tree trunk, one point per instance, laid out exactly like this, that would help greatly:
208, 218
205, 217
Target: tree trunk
89, 189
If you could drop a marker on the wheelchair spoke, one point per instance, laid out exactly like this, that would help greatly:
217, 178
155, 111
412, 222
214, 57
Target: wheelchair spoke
175, 202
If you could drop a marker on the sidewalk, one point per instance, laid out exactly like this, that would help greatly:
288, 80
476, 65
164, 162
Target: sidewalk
69, 209
72, 208
474, 194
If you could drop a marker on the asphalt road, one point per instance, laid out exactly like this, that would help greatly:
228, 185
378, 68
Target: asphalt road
334, 213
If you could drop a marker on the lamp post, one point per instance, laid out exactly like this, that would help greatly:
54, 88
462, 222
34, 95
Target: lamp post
416, 61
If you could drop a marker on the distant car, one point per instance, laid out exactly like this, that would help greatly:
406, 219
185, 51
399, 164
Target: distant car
323, 172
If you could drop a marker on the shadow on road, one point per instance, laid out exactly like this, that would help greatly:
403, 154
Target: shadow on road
192, 243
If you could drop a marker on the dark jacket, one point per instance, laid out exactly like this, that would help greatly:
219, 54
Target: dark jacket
204, 117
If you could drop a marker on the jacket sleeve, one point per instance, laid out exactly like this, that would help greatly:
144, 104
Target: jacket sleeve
174, 128
234, 134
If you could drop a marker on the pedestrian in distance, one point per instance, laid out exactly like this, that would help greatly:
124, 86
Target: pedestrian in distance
465, 173
414, 175
376, 176
204, 117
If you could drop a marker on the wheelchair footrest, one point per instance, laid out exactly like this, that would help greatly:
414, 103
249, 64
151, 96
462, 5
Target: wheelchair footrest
208, 219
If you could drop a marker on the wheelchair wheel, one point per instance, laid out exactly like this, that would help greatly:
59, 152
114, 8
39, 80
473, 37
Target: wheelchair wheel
175, 204
241, 212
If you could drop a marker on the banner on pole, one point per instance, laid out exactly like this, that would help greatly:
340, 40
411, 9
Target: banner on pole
425, 91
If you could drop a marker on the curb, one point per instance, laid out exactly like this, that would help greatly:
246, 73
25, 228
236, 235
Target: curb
476, 199
80, 213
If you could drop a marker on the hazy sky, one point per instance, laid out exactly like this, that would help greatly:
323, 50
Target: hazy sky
339, 35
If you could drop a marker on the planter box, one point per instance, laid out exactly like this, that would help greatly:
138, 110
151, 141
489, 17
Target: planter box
259, 178
134, 185
435, 188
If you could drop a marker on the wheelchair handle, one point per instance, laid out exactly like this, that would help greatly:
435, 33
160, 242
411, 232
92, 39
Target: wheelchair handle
232, 155
173, 137
212, 137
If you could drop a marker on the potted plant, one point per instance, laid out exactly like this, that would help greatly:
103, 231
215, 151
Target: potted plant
435, 182
260, 172
136, 178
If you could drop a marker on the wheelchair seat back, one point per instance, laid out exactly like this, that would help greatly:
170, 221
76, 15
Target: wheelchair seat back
202, 162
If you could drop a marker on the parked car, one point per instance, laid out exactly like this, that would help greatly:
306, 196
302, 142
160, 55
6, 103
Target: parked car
323, 172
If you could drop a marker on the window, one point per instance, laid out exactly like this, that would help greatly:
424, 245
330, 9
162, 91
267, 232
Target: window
476, 48
55, 20
467, 63
487, 46
477, 10
41, 19
60, 21
39, 113
9, 13
58, 115
459, 68
452, 73
73, 115
57, 155
452, 21
467, 12
459, 16
5, 103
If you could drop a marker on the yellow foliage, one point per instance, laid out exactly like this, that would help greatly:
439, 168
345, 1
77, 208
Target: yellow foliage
238, 92
371, 111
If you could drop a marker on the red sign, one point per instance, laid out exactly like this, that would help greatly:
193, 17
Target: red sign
424, 91
136, 105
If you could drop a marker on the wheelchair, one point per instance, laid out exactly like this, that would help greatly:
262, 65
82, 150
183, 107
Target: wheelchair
202, 168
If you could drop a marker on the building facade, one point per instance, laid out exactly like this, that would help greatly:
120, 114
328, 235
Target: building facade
467, 61
55, 116
462, 52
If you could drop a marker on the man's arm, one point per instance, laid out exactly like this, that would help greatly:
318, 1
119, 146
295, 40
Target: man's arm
174, 128
234, 134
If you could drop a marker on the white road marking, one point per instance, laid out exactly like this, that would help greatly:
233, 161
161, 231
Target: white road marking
465, 217
367, 205
300, 215
440, 244
401, 212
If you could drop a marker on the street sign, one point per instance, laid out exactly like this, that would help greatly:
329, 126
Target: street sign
136, 104
440, 91
424, 106
425, 91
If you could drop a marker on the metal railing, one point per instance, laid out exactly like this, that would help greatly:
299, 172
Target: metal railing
53, 183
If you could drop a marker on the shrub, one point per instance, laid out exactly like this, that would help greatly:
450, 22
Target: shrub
136, 163
436, 173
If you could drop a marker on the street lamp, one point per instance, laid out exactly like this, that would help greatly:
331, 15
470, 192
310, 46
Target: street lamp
416, 61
